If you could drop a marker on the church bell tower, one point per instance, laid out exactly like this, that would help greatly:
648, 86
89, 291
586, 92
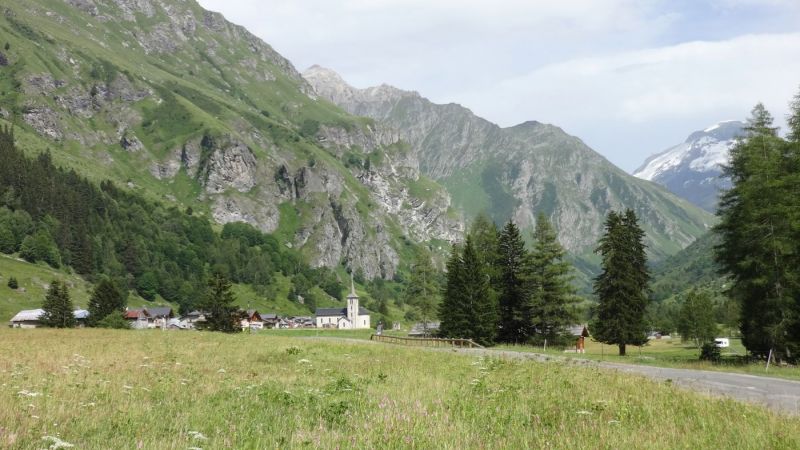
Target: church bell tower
352, 304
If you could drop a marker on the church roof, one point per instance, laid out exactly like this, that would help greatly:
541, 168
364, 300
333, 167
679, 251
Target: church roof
328, 312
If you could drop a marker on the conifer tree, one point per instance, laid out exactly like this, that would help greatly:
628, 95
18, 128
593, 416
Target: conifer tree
552, 298
218, 304
484, 235
57, 306
621, 288
13, 283
511, 262
478, 299
106, 299
758, 230
452, 314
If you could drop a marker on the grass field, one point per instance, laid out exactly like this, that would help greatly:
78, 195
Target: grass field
176, 390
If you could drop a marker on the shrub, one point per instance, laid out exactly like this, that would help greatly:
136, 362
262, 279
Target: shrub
710, 352
115, 321
12, 283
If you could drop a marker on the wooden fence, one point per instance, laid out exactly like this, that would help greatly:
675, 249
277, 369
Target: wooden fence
425, 342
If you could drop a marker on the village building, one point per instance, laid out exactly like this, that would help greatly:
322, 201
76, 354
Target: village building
32, 318
252, 320
351, 317
155, 317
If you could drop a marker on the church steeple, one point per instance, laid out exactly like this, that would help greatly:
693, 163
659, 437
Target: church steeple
352, 303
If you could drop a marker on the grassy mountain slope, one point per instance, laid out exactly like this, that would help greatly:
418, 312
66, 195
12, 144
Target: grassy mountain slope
176, 102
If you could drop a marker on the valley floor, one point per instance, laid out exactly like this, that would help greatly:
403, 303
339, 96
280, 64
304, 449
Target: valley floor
157, 389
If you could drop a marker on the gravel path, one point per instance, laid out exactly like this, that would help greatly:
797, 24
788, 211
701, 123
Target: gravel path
777, 394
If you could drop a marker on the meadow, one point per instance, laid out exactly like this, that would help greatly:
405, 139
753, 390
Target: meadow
176, 390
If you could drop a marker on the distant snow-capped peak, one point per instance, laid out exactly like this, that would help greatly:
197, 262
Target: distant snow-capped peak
702, 152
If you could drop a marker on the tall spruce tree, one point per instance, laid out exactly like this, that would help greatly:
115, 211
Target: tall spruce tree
511, 266
106, 299
218, 304
484, 234
621, 288
454, 321
552, 300
57, 306
759, 248
478, 299
468, 309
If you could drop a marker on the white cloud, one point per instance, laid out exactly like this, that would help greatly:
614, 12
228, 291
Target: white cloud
702, 81
618, 73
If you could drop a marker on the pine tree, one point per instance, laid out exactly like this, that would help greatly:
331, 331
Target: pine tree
106, 299
57, 306
13, 283
511, 262
478, 300
218, 304
696, 319
621, 288
552, 298
452, 314
758, 229
422, 290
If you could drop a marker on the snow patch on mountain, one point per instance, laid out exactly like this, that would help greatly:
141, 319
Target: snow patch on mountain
693, 168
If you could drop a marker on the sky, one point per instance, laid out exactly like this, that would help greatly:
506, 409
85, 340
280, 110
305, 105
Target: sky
629, 77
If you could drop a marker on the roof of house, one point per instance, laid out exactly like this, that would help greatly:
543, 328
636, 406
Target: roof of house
328, 312
160, 311
269, 316
36, 314
134, 313
578, 330
28, 314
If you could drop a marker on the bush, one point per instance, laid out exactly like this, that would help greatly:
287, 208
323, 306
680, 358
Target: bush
710, 352
12, 283
115, 321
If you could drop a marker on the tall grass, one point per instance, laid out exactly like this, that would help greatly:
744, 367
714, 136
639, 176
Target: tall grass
158, 389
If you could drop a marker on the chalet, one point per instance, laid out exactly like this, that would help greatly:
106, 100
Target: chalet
194, 318
350, 317
81, 316
252, 319
270, 320
160, 316
139, 318
31, 318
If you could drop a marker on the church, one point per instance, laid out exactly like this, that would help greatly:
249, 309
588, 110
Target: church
344, 318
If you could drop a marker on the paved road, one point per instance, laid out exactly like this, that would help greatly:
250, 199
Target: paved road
774, 393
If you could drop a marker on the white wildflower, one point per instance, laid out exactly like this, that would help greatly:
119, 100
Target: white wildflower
584, 412
303, 361
27, 393
197, 435
221, 371
57, 443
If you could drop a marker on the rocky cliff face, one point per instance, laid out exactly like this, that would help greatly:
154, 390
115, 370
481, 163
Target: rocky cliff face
165, 95
517, 172
693, 168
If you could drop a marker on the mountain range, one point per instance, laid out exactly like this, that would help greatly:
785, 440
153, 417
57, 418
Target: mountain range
175, 102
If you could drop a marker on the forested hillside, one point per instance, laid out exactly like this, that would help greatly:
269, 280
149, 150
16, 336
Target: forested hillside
55, 216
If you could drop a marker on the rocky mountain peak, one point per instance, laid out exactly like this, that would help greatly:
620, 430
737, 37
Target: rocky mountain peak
692, 169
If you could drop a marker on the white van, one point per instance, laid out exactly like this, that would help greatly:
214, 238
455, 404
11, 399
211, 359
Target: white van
722, 342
